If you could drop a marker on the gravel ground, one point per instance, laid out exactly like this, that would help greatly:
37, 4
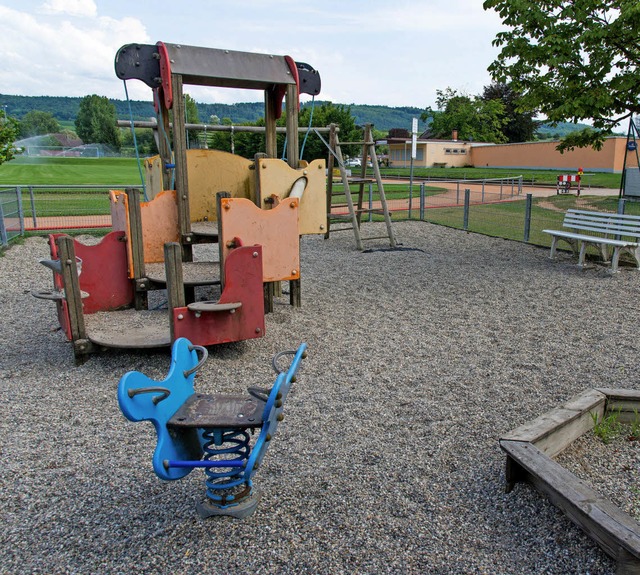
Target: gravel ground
388, 458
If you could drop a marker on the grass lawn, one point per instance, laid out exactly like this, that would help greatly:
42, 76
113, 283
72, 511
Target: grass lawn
25, 171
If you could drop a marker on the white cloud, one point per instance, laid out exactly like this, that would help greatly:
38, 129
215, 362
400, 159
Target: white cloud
63, 57
71, 7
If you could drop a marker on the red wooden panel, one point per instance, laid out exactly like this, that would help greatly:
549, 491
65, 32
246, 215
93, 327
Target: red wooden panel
243, 283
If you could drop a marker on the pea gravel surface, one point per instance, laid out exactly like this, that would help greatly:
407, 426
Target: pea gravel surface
387, 460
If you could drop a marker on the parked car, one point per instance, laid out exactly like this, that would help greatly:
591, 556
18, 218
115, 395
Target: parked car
353, 162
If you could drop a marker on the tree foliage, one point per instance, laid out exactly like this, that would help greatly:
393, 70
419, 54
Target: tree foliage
572, 60
248, 144
96, 122
8, 135
36, 123
520, 126
474, 118
324, 114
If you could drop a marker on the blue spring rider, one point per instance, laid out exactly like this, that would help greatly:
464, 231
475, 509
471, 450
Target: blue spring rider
213, 432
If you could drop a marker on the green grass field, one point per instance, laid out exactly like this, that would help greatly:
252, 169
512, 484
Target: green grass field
70, 171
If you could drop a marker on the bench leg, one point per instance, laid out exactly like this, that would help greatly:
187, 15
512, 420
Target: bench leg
604, 252
614, 260
581, 257
554, 243
635, 252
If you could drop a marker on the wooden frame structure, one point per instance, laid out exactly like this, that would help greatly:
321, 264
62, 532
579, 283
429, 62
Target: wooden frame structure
531, 447
166, 68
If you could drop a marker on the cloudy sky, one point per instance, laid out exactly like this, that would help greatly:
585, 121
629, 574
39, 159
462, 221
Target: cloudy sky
392, 52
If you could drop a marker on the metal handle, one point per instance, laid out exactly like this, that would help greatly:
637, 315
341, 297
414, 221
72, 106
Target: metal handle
205, 355
163, 391
276, 358
260, 393
50, 295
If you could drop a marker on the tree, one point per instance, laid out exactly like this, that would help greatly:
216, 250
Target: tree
472, 117
96, 121
36, 123
191, 116
520, 126
323, 115
8, 135
572, 60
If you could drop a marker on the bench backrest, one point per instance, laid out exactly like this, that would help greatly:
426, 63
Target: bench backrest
607, 224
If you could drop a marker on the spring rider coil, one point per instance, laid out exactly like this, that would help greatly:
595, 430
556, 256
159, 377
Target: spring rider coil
214, 432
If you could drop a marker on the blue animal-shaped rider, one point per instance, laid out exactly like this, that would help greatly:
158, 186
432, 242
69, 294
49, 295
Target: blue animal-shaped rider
209, 431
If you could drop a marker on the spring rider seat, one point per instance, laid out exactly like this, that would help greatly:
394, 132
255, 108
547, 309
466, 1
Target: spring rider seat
213, 432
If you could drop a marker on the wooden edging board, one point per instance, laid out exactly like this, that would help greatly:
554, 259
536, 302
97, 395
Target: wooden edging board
530, 449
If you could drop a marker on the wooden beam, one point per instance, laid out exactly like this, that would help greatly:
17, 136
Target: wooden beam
553, 431
293, 147
175, 283
73, 296
180, 159
137, 248
271, 142
613, 530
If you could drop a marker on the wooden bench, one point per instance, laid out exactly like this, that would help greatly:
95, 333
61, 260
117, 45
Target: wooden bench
602, 230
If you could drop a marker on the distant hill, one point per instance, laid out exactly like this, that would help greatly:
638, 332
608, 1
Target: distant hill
383, 118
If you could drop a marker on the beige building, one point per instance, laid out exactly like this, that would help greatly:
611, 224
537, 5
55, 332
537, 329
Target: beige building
429, 152
529, 155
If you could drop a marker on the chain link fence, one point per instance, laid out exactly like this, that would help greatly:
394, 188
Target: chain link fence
11, 215
500, 208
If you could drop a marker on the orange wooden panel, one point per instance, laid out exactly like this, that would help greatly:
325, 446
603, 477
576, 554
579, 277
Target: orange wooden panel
275, 230
159, 225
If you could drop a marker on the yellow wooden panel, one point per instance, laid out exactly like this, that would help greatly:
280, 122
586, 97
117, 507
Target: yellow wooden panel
275, 230
212, 171
159, 225
277, 179
153, 176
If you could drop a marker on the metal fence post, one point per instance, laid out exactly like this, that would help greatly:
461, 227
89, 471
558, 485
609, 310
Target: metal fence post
467, 197
483, 191
422, 201
33, 207
20, 210
621, 207
527, 217
457, 193
4, 240
410, 200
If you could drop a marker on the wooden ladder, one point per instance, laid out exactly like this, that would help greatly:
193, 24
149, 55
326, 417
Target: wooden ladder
353, 218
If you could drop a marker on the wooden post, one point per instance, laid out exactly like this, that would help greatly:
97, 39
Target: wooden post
271, 142
222, 238
73, 296
175, 281
137, 248
293, 148
295, 293
180, 156
163, 145
330, 165
258, 200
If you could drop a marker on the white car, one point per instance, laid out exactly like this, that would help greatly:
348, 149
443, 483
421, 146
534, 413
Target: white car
353, 162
